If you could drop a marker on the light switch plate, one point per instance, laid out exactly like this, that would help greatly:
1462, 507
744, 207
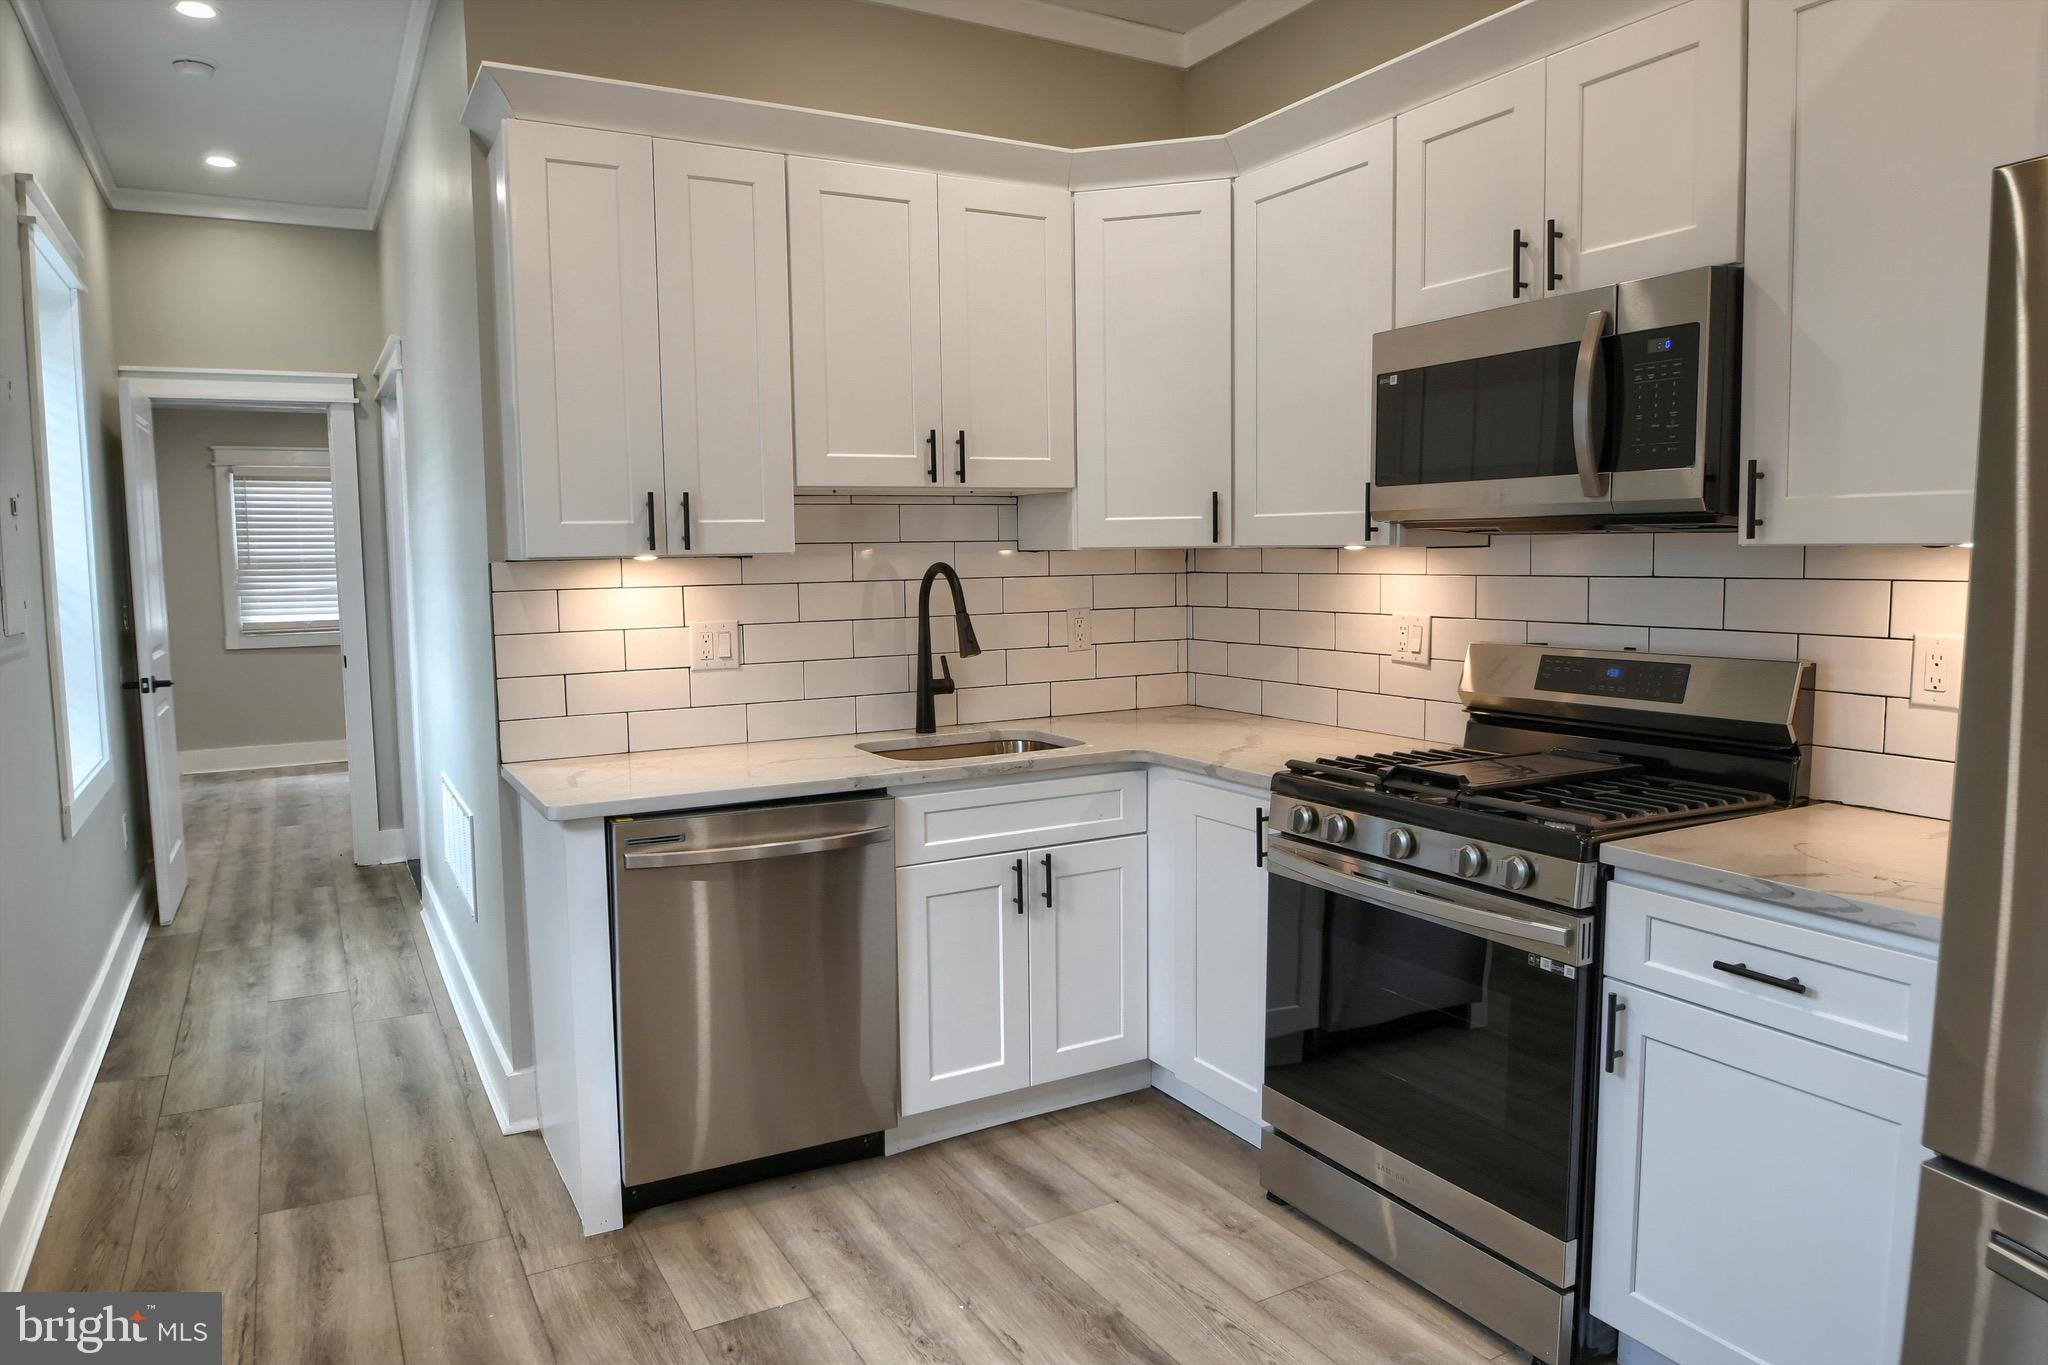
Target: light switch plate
1079, 635
1938, 671
1411, 640
714, 645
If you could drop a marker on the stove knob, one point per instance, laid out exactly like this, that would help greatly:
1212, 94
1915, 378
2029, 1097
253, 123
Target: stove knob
1516, 872
1301, 820
1400, 843
1338, 829
1471, 861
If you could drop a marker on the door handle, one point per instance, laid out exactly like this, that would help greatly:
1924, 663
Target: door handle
1589, 407
1018, 868
960, 442
1550, 255
931, 450
1749, 973
2017, 1263
1615, 1006
1515, 262
686, 518
747, 853
1048, 881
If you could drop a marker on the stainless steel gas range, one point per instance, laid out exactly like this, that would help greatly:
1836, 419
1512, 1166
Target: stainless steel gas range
1434, 1014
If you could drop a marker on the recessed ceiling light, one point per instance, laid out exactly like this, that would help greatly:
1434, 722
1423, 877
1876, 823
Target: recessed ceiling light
221, 162
196, 9
192, 67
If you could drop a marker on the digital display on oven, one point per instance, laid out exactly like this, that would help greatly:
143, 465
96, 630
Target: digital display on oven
1634, 679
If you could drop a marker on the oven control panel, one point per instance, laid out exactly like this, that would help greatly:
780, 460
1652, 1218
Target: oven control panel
1458, 858
1615, 676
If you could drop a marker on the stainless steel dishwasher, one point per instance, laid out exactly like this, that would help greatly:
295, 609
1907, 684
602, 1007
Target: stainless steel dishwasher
754, 959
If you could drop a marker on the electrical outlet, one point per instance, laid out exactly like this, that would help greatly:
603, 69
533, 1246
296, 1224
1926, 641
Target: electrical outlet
1079, 635
1411, 640
714, 645
1938, 671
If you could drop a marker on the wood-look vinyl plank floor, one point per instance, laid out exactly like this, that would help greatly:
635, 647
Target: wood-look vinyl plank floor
330, 1161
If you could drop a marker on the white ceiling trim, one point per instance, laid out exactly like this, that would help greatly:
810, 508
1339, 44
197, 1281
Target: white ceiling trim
412, 54
1106, 33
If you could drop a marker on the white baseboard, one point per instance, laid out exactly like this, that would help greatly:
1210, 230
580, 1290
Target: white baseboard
1210, 1108
246, 756
30, 1182
975, 1115
513, 1098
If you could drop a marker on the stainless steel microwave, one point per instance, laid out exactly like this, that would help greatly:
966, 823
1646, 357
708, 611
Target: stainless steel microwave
1608, 407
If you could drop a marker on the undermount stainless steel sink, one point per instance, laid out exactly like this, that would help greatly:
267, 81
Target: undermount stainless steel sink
976, 744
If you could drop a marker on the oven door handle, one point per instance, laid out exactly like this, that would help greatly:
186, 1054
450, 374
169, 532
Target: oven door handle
1561, 937
1589, 403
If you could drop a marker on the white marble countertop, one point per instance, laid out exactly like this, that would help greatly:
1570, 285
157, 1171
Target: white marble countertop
1224, 744
1867, 867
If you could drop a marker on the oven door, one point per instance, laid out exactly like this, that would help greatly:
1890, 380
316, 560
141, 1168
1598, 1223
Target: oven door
1434, 1046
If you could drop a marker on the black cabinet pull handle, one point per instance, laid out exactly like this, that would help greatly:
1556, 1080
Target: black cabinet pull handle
1750, 520
1215, 518
1259, 837
1018, 868
1749, 973
686, 519
931, 450
159, 684
650, 523
1047, 860
146, 685
960, 443
1515, 262
1615, 1005
1550, 261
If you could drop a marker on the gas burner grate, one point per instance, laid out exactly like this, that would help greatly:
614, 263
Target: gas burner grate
1610, 804
1371, 770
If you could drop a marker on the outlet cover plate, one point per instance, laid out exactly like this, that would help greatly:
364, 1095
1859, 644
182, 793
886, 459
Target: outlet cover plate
1411, 640
1938, 671
714, 645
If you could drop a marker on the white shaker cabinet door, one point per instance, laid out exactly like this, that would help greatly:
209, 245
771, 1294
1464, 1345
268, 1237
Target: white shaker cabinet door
1468, 199
1087, 917
963, 973
1874, 127
723, 268
864, 321
1754, 1193
578, 268
1643, 171
1152, 365
1006, 308
1315, 280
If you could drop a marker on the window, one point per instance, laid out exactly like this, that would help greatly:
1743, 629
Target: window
277, 559
72, 586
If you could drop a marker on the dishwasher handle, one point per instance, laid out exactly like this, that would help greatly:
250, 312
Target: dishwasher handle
746, 853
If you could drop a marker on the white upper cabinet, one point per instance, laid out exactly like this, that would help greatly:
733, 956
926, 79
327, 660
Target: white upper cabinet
581, 339
722, 265
864, 313
1643, 169
1152, 365
1315, 277
1087, 958
1006, 323
1468, 202
1874, 126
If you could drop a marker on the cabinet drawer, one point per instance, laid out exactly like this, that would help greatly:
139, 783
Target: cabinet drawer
965, 822
1874, 1001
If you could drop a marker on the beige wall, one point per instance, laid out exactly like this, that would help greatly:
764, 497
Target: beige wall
1312, 49
846, 56
228, 698
61, 900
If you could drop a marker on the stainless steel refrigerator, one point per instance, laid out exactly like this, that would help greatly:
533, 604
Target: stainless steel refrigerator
1979, 1290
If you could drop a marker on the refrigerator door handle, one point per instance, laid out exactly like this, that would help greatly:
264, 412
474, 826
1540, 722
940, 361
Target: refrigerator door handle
2017, 1263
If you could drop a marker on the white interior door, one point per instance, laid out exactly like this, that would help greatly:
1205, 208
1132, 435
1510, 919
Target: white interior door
722, 263
153, 657
1087, 957
962, 968
1468, 175
1315, 280
864, 323
1006, 313
1152, 364
1644, 163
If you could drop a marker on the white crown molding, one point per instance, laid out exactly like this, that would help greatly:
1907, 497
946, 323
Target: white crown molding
1107, 33
411, 55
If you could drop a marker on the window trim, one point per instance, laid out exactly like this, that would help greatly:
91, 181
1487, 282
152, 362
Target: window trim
226, 460
44, 237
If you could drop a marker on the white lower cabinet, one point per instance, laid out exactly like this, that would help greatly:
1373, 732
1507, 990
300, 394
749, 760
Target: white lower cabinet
1015, 969
1209, 938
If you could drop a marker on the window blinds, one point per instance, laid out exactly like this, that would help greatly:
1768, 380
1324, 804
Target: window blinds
284, 550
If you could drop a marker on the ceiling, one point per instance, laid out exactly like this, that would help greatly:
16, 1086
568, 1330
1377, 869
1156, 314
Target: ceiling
1176, 16
1172, 32
308, 96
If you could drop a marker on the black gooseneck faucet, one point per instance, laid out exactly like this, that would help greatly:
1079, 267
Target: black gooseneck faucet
928, 686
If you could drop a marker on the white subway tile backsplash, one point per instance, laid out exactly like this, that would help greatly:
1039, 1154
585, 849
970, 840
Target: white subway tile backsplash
1208, 589
1916, 786
996, 559
1047, 594
1163, 689
529, 698
621, 608
1133, 590
1603, 554
1094, 694
651, 689
1436, 681
1072, 563
1051, 665
1504, 555
1209, 656
908, 559
596, 651
848, 601
1654, 601
1920, 731
1264, 662
1305, 629
1227, 694
1384, 559
1159, 561
690, 729
1229, 561
1107, 625
810, 564
1844, 664
1024, 630
1278, 590
1835, 606
1449, 637
1338, 669
1847, 720
749, 683
1298, 560
799, 719
849, 523
1149, 656
1428, 595
779, 642
1366, 634
1889, 561
1237, 624
935, 521
982, 705
756, 602
679, 572
666, 648
561, 737
1578, 635
1380, 712
1160, 623
1291, 701
990, 668
1727, 644
523, 613
1525, 599
853, 677
1443, 722
509, 575
1929, 608
1718, 554
1340, 592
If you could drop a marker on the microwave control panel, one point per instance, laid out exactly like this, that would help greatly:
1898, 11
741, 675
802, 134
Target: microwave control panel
1658, 397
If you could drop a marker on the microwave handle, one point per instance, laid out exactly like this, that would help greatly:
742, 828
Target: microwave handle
1589, 407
